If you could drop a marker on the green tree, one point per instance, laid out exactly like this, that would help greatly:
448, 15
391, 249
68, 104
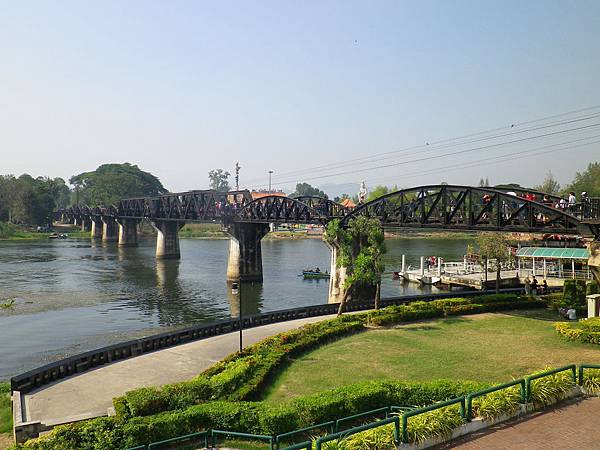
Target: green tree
109, 183
219, 180
549, 185
494, 247
586, 181
360, 248
305, 189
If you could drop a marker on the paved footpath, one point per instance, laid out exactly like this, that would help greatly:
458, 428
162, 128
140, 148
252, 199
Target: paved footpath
90, 394
574, 425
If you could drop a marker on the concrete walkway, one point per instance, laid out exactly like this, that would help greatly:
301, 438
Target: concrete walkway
90, 394
566, 427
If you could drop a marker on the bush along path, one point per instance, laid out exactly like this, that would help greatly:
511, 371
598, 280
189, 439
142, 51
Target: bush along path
220, 398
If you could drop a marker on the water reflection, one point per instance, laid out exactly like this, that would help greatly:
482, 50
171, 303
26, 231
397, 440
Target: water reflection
251, 295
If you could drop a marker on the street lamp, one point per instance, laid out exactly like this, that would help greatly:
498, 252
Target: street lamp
270, 173
236, 288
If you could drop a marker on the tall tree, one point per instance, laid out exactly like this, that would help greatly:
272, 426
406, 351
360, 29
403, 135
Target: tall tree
219, 180
111, 182
360, 248
549, 185
305, 189
587, 181
494, 247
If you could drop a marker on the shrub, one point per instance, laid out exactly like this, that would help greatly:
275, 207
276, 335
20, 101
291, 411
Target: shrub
591, 381
237, 377
437, 423
587, 330
497, 403
573, 294
547, 390
380, 438
593, 288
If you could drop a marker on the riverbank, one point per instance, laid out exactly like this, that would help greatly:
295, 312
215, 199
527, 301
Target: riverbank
12, 232
5, 416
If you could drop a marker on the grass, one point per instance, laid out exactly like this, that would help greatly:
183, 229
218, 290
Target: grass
488, 347
5, 409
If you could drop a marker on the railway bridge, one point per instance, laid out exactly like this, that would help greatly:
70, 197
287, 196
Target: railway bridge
435, 207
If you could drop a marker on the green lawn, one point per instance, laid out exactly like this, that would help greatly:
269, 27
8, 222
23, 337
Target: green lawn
487, 347
5, 409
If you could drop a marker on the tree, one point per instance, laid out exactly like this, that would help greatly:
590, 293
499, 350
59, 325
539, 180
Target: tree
305, 189
484, 183
360, 247
109, 183
495, 247
219, 180
586, 181
549, 185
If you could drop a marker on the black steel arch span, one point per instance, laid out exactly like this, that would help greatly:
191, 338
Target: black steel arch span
452, 207
324, 206
280, 209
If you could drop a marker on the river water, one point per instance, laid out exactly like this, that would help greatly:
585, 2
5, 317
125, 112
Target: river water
75, 295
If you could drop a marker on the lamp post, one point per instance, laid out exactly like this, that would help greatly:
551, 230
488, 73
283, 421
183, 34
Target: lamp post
270, 173
236, 289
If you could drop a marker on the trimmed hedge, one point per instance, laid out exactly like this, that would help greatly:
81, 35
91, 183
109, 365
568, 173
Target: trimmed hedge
587, 330
240, 376
218, 397
451, 307
109, 433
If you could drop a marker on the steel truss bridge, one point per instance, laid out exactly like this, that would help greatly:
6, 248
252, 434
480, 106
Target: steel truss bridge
442, 207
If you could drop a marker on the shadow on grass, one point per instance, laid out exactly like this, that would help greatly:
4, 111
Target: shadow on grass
546, 315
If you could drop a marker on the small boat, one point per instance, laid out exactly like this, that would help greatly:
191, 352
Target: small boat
58, 236
313, 274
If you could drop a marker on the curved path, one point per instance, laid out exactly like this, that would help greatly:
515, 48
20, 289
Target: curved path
569, 426
90, 394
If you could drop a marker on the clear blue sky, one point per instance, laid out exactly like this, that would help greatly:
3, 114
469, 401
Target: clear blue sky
182, 87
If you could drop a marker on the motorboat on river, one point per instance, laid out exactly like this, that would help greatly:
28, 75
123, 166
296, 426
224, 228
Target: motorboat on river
310, 274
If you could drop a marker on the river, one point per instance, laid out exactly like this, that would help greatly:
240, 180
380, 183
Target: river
75, 295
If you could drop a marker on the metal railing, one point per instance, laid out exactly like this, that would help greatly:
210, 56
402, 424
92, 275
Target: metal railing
77, 364
547, 373
439, 405
346, 433
520, 382
400, 421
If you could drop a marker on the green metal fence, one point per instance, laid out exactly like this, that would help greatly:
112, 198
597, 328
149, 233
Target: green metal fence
572, 368
328, 426
374, 412
257, 437
344, 434
187, 442
400, 421
416, 412
301, 446
582, 367
481, 393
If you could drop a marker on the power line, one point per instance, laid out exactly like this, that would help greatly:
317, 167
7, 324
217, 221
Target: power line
436, 144
428, 158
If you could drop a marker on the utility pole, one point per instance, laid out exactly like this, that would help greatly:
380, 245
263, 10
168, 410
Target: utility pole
270, 173
237, 176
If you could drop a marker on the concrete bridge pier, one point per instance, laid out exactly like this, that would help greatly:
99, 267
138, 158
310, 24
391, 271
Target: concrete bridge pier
97, 225
245, 251
86, 224
167, 238
128, 232
337, 279
109, 229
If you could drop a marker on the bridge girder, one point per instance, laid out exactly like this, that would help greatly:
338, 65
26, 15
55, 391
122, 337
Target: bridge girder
454, 207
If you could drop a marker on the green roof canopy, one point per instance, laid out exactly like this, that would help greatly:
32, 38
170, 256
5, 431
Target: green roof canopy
553, 253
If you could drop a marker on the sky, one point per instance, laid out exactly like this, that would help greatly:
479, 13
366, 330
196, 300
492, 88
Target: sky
299, 88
